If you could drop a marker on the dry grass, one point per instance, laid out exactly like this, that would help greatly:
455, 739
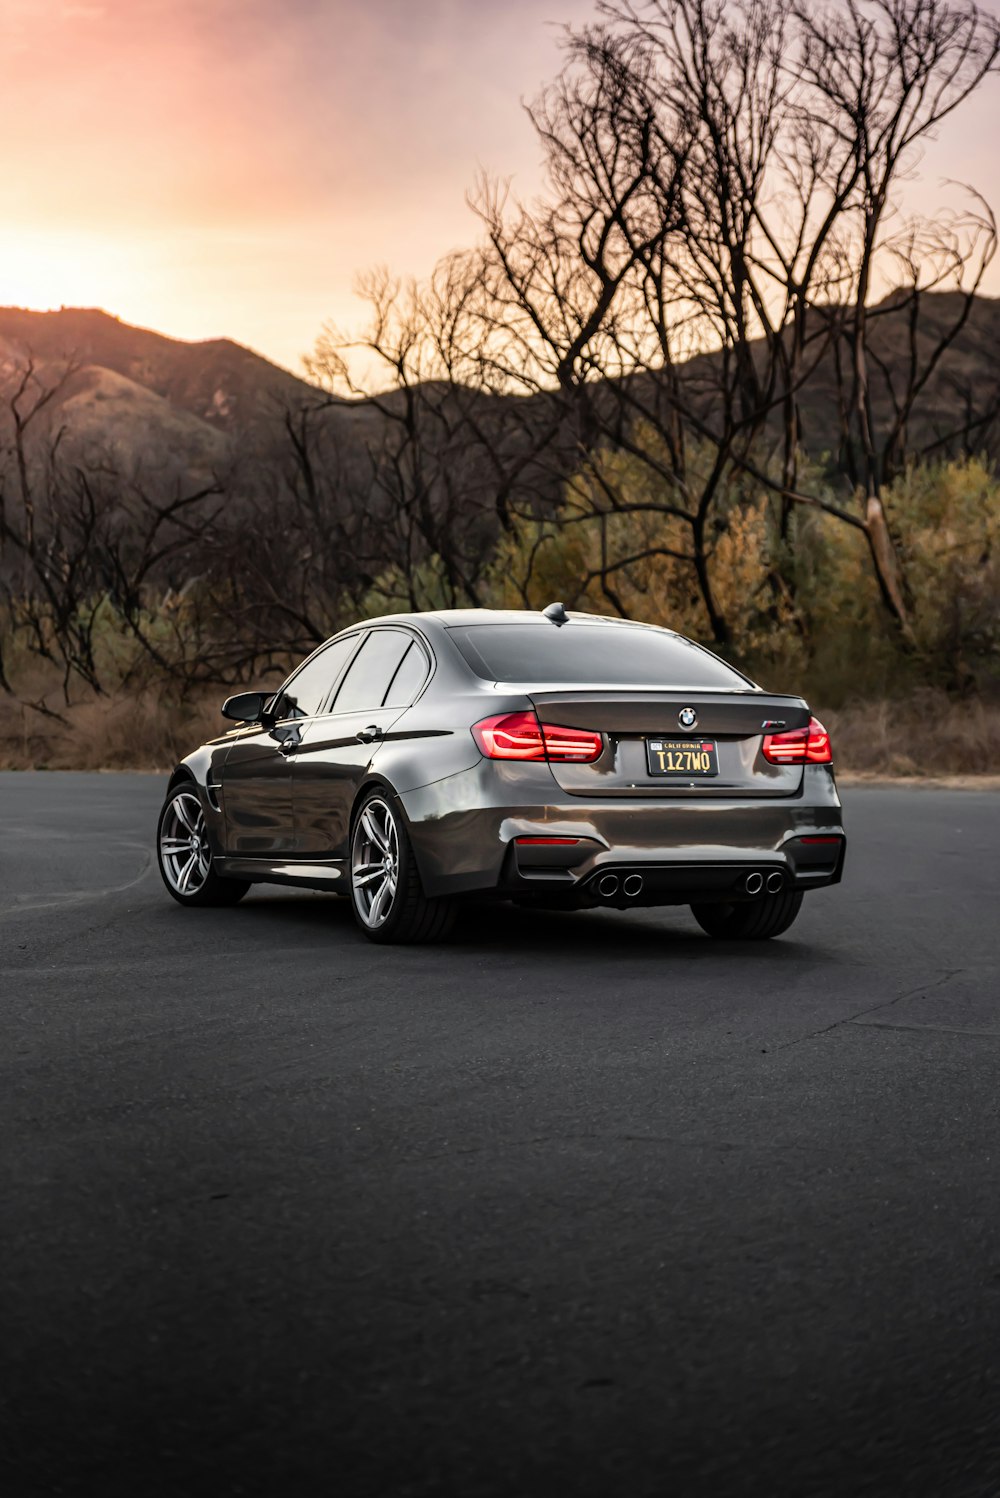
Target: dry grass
128, 731
927, 735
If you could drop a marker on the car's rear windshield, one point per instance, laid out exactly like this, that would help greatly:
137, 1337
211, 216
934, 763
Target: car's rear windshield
584, 654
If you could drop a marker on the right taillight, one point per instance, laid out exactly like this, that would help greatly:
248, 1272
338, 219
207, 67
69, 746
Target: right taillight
799, 746
521, 736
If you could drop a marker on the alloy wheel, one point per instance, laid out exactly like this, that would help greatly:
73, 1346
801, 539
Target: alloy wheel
375, 863
184, 851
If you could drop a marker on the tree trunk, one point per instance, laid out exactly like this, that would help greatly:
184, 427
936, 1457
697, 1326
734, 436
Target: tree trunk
886, 562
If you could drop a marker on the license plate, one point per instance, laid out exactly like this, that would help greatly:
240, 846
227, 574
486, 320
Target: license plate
682, 758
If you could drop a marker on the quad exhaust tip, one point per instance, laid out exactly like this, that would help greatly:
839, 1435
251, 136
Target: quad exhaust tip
631, 886
754, 883
774, 882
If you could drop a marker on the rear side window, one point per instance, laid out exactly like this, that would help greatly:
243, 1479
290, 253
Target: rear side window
584, 654
409, 678
372, 671
304, 695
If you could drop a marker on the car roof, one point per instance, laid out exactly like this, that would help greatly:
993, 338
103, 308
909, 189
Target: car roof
462, 618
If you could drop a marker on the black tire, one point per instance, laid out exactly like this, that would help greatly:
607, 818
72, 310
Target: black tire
751, 920
182, 821
408, 916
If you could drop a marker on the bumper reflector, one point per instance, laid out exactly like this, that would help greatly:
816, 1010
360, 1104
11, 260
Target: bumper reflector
547, 842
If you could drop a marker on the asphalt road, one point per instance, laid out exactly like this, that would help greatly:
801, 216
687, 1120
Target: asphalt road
573, 1205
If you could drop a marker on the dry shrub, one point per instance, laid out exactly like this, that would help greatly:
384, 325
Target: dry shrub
926, 734
949, 518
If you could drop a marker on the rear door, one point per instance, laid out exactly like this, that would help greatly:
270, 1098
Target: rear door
675, 743
338, 748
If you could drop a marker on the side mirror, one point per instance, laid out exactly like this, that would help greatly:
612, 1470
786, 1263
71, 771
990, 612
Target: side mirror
246, 707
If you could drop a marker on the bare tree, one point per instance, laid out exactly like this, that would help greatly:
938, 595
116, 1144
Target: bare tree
80, 541
718, 223
885, 74
441, 454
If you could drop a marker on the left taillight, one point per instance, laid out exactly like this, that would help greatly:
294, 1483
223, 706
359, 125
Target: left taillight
799, 746
522, 736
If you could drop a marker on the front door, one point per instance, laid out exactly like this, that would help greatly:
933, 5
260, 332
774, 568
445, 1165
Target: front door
257, 794
257, 777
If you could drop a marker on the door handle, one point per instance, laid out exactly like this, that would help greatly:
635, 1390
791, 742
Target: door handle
368, 735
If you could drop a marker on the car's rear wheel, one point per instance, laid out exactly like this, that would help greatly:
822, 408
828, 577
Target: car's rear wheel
185, 855
751, 920
388, 898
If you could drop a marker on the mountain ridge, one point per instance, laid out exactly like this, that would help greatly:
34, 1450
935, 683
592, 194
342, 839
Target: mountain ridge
195, 405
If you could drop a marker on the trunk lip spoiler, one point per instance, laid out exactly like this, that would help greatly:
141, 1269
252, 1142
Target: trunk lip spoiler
666, 694
632, 687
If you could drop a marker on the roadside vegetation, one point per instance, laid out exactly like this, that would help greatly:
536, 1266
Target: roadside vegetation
805, 618
722, 376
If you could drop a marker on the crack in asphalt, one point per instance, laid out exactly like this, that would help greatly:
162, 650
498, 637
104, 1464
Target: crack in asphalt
855, 1019
920, 1029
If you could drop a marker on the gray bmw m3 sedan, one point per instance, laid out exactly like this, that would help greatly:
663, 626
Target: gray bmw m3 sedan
560, 760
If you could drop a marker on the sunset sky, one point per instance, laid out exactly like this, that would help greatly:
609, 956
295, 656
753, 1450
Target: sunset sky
226, 167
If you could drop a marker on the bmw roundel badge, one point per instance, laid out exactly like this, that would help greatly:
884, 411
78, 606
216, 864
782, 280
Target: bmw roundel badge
687, 717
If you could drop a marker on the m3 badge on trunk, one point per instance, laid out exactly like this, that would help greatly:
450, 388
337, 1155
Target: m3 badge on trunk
687, 717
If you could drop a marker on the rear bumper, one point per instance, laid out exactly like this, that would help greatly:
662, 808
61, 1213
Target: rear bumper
465, 832
674, 882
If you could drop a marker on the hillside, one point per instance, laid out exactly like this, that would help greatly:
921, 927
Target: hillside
142, 400
218, 381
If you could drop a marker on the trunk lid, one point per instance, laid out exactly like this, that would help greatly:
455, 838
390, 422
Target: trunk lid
733, 721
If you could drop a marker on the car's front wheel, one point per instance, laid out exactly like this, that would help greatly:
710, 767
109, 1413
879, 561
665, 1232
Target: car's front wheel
185, 856
388, 898
751, 920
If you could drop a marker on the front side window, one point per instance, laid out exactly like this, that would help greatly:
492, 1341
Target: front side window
372, 671
304, 695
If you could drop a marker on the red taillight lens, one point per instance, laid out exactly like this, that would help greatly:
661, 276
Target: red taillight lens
800, 746
571, 744
521, 736
511, 736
